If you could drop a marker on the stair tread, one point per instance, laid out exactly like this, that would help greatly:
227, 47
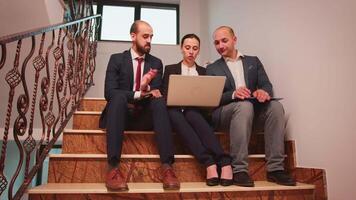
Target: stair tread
99, 188
103, 131
95, 156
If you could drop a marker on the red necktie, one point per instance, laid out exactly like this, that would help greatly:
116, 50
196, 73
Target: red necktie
138, 74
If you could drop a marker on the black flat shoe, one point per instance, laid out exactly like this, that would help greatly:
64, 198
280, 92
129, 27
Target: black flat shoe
226, 182
281, 177
243, 179
212, 181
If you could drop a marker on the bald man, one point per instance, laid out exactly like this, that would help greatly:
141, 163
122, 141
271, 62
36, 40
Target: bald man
246, 98
132, 105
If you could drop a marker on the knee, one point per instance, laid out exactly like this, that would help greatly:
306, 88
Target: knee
158, 104
243, 108
275, 108
118, 99
191, 114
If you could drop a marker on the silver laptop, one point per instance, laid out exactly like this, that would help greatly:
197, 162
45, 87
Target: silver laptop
203, 91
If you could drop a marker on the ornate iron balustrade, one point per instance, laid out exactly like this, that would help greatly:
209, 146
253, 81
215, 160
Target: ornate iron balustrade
62, 66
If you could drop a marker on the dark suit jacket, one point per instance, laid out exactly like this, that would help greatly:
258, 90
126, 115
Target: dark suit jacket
175, 69
255, 77
120, 77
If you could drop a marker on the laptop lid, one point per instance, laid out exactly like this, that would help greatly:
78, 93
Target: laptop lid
202, 91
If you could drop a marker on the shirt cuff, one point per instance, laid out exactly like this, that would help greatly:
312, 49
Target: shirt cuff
137, 94
233, 96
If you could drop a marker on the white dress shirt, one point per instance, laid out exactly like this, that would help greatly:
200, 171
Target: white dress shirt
189, 71
134, 57
236, 68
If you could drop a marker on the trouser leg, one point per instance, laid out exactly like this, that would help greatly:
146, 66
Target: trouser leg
237, 118
116, 117
162, 129
271, 115
207, 136
189, 137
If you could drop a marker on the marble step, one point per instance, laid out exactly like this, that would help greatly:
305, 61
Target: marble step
91, 168
92, 104
189, 190
138, 142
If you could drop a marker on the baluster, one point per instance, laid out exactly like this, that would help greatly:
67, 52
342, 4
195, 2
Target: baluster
3, 55
20, 124
13, 78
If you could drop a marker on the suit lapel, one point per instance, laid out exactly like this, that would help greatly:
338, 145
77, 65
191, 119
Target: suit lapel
129, 65
228, 74
147, 65
178, 68
246, 66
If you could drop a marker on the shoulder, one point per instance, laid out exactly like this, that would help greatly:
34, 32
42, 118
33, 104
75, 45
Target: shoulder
251, 58
215, 64
152, 58
172, 66
120, 56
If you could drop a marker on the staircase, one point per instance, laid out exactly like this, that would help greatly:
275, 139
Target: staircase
79, 172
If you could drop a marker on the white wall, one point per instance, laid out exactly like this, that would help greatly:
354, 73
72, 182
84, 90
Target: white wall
308, 49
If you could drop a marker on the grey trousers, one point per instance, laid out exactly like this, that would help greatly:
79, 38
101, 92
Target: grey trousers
238, 118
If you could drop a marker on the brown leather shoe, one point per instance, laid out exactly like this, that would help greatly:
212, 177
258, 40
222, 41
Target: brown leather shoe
115, 180
168, 178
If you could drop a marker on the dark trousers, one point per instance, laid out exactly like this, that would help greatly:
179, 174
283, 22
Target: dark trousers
198, 136
147, 113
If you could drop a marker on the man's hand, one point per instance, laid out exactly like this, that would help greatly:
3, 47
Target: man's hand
156, 93
153, 93
242, 93
261, 95
147, 78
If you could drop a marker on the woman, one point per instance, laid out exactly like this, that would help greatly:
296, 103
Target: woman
190, 124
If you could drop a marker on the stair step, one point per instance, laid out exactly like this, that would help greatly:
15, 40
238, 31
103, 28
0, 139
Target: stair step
188, 190
139, 142
99, 188
86, 120
92, 104
91, 168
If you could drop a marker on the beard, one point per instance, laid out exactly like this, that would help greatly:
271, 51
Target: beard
144, 49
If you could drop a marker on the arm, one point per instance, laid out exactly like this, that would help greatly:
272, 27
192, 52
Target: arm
227, 93
165, 83
156, 83
113, 79
263, 80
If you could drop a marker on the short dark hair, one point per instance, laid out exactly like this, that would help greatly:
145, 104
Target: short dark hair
190, 35
134, 26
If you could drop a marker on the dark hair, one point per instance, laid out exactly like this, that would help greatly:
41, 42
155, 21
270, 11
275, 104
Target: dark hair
191, 35
134, 26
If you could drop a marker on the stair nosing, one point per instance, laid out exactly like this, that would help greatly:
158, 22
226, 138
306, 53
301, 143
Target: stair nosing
103, 131
131, 156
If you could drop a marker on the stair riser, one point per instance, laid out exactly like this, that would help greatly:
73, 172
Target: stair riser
86, 121
141, 143
93, 170
261, 195
92, 105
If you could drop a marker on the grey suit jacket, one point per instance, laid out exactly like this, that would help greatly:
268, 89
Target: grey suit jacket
255, 77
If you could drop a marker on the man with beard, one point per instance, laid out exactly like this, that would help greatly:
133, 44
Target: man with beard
132, 83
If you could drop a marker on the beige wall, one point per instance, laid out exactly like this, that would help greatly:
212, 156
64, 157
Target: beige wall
19, 16
308, 49
23, 15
